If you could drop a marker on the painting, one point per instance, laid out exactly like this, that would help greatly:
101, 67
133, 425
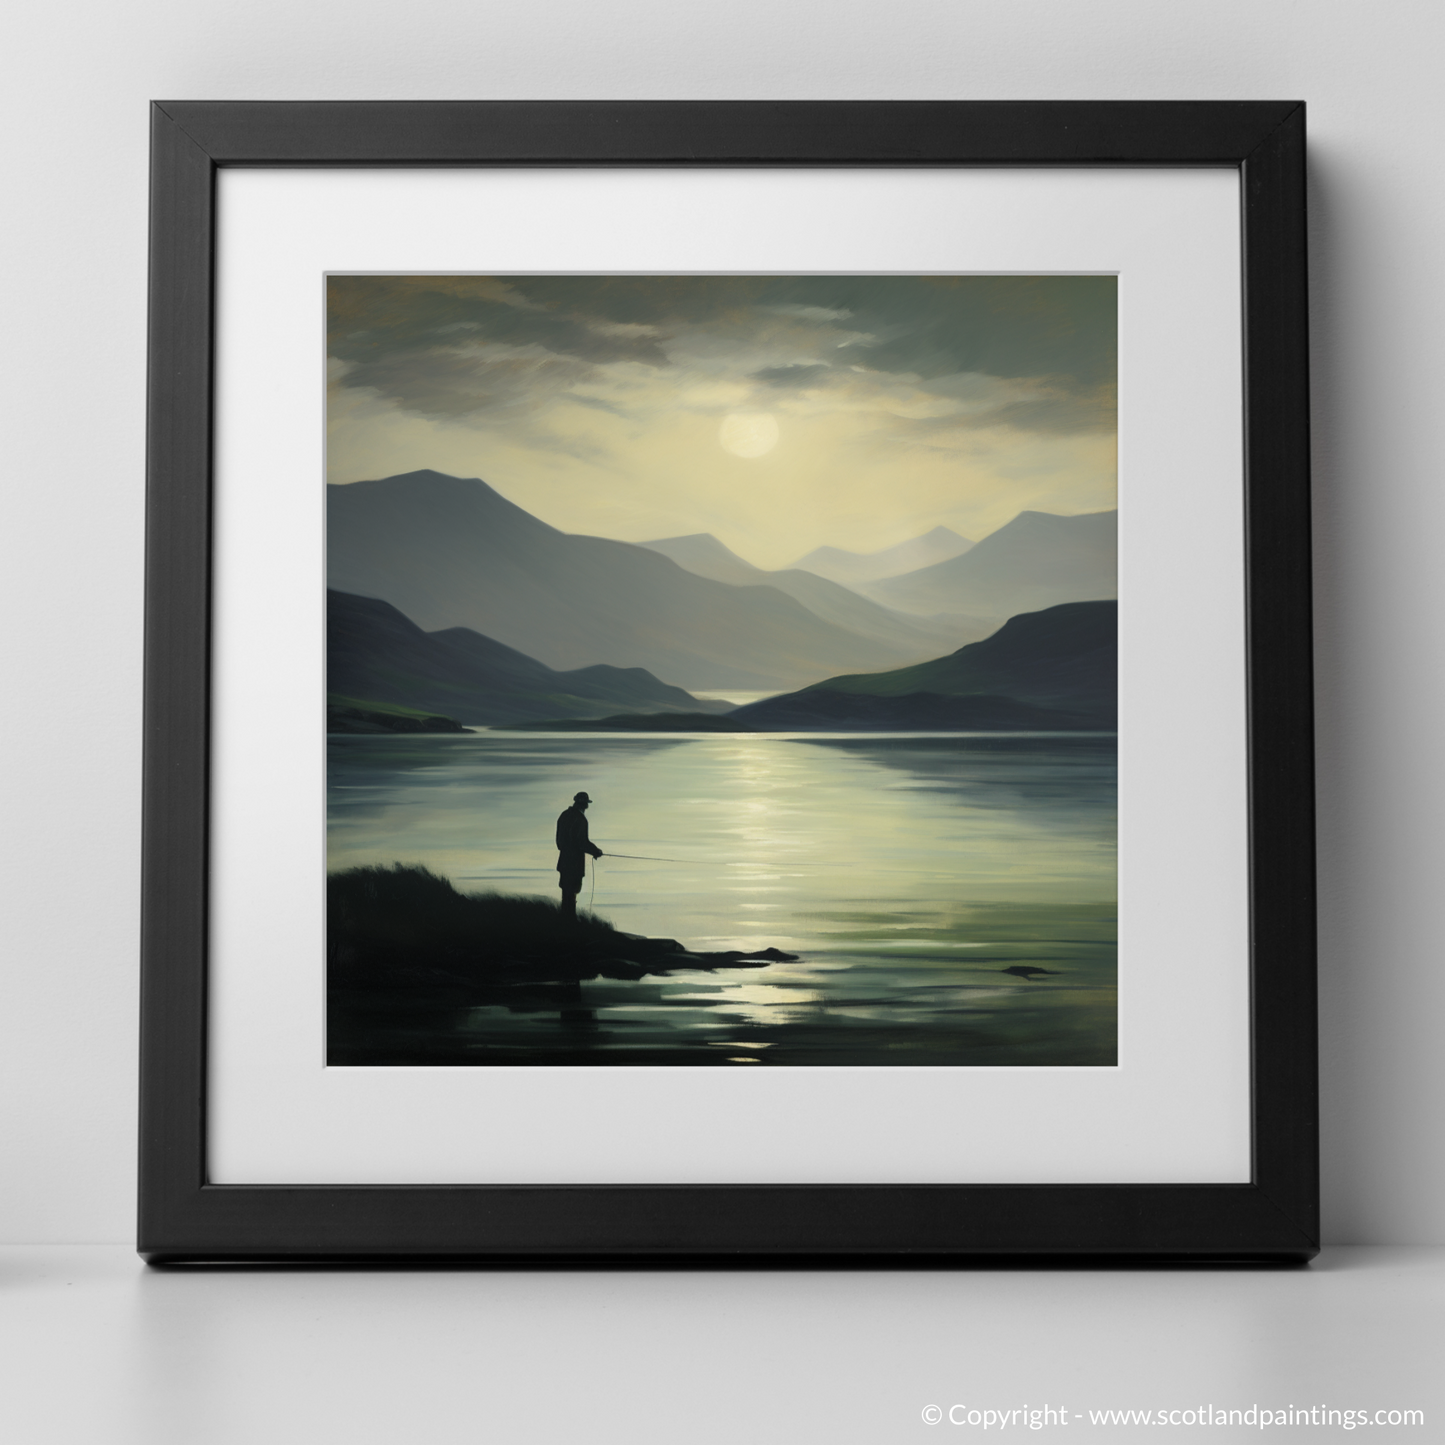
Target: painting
721, 671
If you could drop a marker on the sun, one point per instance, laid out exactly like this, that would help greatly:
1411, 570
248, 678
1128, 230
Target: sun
748, 433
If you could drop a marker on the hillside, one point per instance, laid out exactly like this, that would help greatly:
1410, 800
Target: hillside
378, 660
818, 710
1058, 664
348, 715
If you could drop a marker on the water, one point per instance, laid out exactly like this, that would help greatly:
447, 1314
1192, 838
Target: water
908, 872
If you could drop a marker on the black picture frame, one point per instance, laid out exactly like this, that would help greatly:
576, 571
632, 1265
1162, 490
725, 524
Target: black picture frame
184, 1217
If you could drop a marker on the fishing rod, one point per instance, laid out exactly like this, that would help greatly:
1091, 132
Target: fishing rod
693, 862
643, 858
726, 862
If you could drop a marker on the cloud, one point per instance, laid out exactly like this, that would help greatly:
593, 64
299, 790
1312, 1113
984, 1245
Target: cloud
800, 373
494, 350
809, 313
469, 346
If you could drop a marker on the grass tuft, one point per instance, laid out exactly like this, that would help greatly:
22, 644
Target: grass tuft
404, 913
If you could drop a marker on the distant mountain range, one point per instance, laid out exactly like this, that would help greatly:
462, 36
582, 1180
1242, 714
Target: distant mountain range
703, 555
1038, 560
1050, 671
836, 712
500, 590
966, 589
379, 661
1054, 669
449, 552
851, 568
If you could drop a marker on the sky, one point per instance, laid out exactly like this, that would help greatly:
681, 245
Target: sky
779, 413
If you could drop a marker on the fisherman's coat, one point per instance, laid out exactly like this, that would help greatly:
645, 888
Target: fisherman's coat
573, 844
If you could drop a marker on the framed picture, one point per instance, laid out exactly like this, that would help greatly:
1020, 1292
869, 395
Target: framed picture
728, 681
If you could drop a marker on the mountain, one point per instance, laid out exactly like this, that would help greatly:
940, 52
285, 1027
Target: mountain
377, 660
851, 568
823, 711
450, 552
1051, 669
702, 554
1037, 560
705, 556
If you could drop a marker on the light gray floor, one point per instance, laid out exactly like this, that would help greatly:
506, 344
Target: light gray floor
95, 1348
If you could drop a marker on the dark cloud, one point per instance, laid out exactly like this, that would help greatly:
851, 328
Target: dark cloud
446, 382
661, 301
493, 347
1004, 326
375, 316
792, 376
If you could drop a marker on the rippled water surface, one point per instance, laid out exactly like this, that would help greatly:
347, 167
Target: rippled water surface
950, 898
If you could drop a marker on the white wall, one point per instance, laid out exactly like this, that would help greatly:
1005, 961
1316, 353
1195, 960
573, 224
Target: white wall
75, 79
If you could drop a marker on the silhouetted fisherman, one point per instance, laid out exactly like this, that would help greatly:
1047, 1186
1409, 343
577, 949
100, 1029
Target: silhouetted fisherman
573, 845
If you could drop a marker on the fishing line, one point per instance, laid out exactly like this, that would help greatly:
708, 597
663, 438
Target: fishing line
726, 862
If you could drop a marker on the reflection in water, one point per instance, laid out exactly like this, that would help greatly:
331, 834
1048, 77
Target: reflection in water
951, 898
